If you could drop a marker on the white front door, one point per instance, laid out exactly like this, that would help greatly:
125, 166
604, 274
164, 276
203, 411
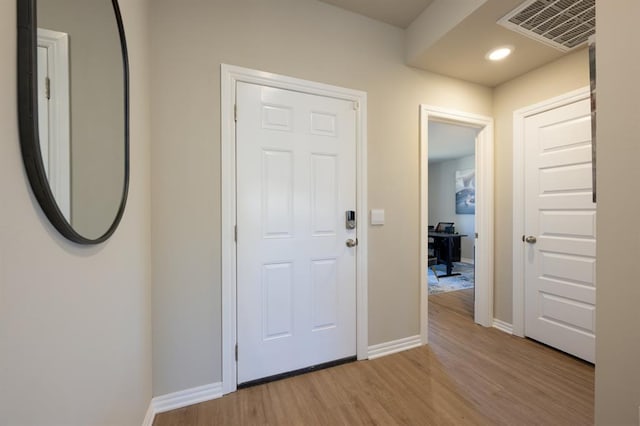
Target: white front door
560, 227
296, 277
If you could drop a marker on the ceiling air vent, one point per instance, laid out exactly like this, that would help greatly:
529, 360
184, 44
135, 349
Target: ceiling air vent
563, 24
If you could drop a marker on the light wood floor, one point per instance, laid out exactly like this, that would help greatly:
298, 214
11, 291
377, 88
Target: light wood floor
467, 375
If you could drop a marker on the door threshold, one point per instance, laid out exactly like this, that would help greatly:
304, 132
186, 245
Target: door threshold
296, 372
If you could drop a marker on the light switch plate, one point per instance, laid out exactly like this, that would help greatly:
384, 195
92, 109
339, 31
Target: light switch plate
377, 217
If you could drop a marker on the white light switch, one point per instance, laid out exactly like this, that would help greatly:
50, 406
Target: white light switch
377, 217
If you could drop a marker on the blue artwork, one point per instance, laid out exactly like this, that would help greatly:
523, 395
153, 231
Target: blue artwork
466, 191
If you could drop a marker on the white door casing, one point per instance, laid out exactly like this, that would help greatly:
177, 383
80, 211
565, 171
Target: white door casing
296, 277
230, 76
43, 105
53, 115
483, 305
555, 273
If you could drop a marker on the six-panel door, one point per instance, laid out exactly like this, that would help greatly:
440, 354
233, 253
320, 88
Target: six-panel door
296, 177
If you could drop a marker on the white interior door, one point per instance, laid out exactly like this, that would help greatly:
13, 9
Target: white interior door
560, 226
296, 277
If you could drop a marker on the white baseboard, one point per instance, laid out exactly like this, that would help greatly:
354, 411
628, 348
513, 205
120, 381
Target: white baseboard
180, 399
150, 416
388, 348
465, 260
503, 326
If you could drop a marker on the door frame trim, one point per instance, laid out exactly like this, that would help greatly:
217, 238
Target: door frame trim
57, 45
229, 75
519, 116
484, 210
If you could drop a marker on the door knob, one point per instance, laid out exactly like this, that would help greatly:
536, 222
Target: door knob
531, 239
352, 243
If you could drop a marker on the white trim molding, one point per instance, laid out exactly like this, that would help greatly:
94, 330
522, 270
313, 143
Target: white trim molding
502, 326
394, 346
484, 210
229, 76
519, 117
150, 415
180, 399
58, 151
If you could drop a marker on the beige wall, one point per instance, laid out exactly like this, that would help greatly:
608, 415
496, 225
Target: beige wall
618, 153
75, 338
561, 76
300, 38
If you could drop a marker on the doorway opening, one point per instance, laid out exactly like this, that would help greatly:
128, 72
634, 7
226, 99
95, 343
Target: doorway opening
478, 249
452, 183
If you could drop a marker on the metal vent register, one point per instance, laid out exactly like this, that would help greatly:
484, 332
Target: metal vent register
563, 24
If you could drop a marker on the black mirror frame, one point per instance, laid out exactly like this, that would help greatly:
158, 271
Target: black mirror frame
28, 122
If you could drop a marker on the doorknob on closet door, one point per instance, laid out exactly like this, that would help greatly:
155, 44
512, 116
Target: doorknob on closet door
531, 239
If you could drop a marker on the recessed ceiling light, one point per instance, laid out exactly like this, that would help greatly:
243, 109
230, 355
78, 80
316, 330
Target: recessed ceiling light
499, 53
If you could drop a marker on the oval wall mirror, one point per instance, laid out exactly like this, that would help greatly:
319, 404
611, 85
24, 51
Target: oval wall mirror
73, 104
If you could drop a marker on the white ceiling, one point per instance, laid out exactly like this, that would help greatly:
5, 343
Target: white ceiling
460, 51
399, 13
450, 141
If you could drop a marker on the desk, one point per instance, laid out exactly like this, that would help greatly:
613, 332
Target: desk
448, 257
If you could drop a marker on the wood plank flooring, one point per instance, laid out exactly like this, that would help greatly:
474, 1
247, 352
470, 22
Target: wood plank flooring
467, 375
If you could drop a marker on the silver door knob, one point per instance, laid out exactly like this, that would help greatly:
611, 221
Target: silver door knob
531, 239
352, 243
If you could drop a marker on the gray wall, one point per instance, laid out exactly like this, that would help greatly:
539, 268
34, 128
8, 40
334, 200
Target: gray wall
442, 199
299, 38
96, 107
75, 321
618, 251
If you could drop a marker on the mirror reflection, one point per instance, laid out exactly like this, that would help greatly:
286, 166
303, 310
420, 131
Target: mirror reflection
81, 116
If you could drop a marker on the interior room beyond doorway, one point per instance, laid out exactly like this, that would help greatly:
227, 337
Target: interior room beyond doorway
452, 162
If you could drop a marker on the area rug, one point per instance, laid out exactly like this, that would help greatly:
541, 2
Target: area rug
458, 282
